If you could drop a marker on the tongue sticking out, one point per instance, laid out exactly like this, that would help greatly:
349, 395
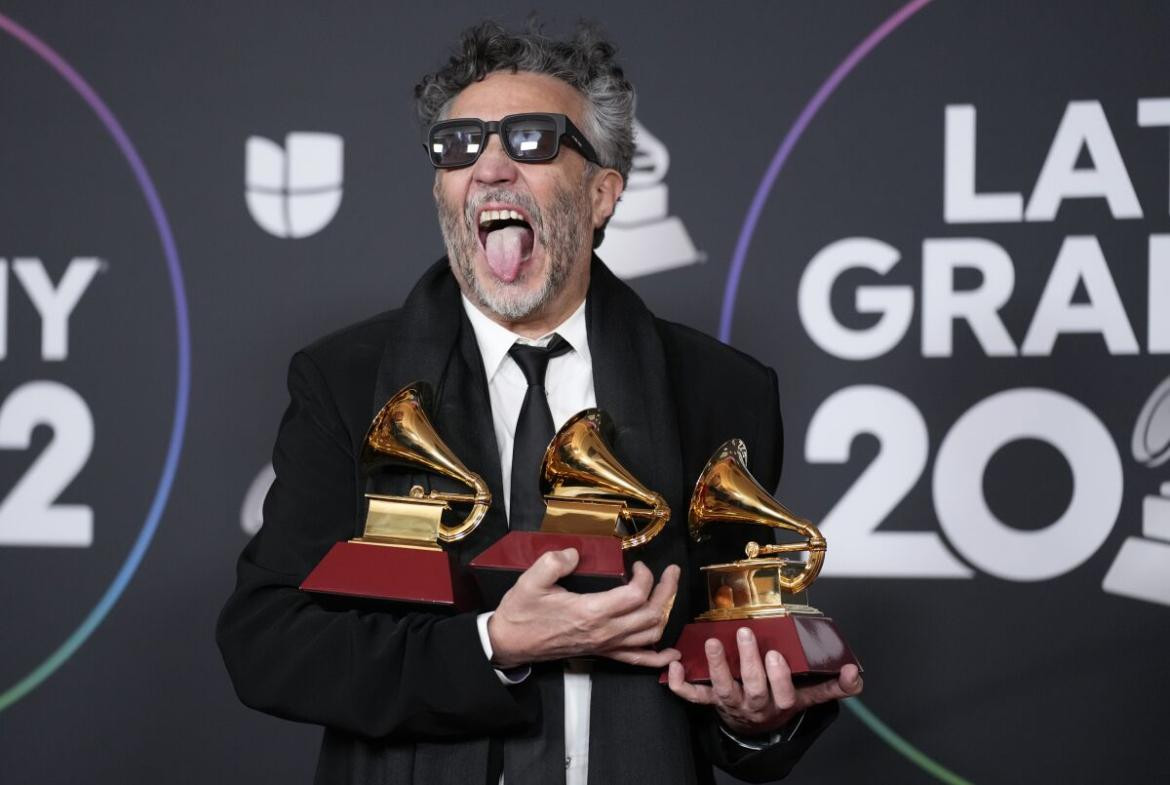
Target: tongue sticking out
507, 248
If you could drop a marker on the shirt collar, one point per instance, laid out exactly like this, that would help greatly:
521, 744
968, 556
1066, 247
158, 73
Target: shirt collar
495, 340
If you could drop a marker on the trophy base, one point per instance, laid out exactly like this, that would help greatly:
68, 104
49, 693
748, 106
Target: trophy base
602, 565
811, 644
417, 576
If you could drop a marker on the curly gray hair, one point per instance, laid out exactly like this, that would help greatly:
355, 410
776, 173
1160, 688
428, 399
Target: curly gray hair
585, 61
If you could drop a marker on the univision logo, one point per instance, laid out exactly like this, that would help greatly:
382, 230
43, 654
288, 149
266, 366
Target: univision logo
295, 190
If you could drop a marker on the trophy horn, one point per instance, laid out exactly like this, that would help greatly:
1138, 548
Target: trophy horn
402, 435
579, 467
727, 492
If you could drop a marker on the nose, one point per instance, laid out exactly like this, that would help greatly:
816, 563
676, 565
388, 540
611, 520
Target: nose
493, 166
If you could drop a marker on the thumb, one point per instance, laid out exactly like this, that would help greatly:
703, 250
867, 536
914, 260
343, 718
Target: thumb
552, 566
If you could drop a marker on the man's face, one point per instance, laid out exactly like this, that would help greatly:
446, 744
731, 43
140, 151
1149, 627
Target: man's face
514, 270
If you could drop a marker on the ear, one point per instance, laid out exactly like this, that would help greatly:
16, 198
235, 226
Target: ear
607, 187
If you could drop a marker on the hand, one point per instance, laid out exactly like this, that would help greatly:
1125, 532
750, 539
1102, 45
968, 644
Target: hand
539, 620
764, 699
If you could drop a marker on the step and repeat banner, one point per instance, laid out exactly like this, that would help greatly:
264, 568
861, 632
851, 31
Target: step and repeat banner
946, 224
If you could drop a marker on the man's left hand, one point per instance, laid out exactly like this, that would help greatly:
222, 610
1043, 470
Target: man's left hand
764, 699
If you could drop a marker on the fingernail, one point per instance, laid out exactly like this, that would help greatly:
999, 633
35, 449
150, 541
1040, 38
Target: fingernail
773, 658
744, 634
712, 645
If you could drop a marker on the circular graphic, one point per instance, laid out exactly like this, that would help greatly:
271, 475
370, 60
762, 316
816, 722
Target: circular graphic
731, 290
178, 426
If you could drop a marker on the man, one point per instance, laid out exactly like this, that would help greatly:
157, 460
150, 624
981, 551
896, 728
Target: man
519, 326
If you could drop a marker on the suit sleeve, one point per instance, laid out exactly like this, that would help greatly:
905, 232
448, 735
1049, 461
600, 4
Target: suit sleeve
373, 673
766, 454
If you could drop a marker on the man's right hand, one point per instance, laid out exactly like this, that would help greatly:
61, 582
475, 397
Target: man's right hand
539, 620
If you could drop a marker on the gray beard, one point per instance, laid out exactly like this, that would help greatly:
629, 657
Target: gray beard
562, 235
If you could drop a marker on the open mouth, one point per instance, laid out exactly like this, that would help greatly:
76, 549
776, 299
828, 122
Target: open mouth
507, 239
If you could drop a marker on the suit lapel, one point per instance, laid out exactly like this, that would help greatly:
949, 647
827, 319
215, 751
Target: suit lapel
423, 336
432, 341
631, 382
464, 411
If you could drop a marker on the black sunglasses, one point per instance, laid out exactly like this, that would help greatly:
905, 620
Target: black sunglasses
528, 138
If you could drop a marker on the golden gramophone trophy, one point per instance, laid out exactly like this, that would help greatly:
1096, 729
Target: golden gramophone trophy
399, 556
764, 592
592, 503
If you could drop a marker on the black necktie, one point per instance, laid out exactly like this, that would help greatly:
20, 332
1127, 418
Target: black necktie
534, 430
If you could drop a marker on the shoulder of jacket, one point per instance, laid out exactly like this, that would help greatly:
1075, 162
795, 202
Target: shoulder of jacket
687, 348
356, 337
351, 351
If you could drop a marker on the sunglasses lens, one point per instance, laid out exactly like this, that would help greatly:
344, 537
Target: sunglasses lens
456, 145
531, 138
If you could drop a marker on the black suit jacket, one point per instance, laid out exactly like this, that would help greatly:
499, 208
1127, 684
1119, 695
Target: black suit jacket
409, 697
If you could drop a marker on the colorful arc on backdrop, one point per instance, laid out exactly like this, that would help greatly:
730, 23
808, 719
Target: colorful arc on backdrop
178, 426
739, 257
731, 291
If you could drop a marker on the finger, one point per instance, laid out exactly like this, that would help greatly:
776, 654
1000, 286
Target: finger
550, 568
850, 680
644, 625
831, 690
626, 599
643, 628
645, 633
780, 680
639, 629
695, 693
726, 689
751, 670
646, 658
641, 581
662, 598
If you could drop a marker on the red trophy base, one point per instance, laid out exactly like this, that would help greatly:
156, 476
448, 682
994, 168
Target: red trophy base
602, 565
810, 644
395, 573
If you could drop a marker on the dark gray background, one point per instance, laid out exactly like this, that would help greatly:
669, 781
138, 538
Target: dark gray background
998, 681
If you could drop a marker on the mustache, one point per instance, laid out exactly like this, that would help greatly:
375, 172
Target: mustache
500, 196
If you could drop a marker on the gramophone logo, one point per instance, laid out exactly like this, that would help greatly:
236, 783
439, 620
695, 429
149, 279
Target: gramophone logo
1142, 568
642, 237
295, 190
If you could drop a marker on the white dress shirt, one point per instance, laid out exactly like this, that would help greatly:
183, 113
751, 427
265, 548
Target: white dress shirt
568, 383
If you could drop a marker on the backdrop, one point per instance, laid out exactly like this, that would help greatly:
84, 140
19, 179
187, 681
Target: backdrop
944, 223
